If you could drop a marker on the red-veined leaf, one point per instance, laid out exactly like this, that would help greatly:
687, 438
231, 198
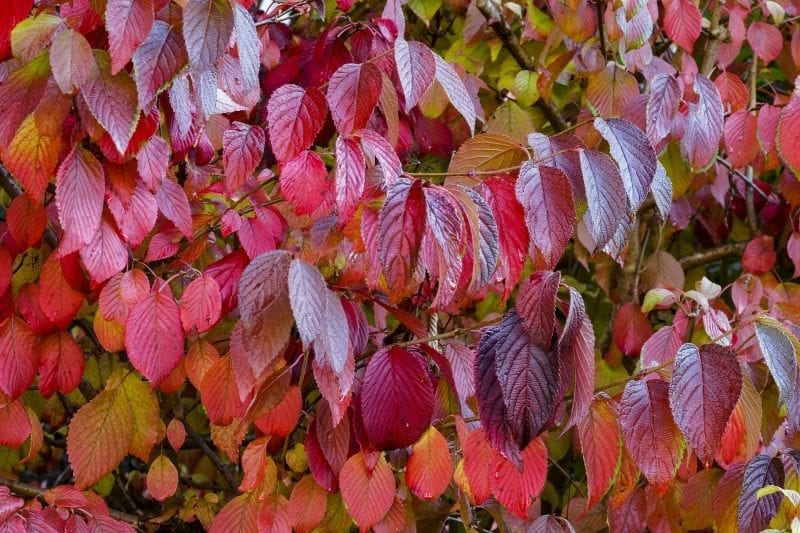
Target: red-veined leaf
367, 492
377, 147
576, 353
207, 28
350, 175
456, 91
741, 139
26, 220
705, 387
201, 304
430, 467
634, 156
173, 204
396, 398
282, 419
162, 478
416, 69
546, 195
353, 92
221, 393
295, 117
649, 432
154, 336
128, 23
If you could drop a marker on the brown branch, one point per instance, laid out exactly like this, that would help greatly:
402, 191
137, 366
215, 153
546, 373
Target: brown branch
511, 44
717, 32
713, 254
212, 455
12, 189
448, 334
31, 492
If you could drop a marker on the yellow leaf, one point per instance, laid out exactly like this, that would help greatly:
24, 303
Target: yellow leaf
32, 156
146, 419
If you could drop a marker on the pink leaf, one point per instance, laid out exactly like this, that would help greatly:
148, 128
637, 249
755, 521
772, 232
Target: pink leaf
207, 28
154, 336
80, 190
308, 297
242, 150
201, 304
350, 175
128, 23
416, 69
295, 117
376, 146
605, 193
682, 23
174, 205
71, 60
765, 40
741, 139
635, 157
106, 254
18, 356
304, 183
353, 92
663, 105
704, 125
157, 61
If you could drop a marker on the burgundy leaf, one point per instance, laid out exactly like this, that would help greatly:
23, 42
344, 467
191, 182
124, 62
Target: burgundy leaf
304, 183
396, 398
705, 387
650, 433
755, 513
663, 105
295, 117
704, 125
546, 195
576, 352
634, 156
400, 228
376, 146
605, 194
536, 306
416, 69
242, 150
353, 92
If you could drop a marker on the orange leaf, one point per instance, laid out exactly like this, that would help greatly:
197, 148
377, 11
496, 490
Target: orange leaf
176, 434
162, 478
430, 466
307, 505
368, 495
515, 489
280, 421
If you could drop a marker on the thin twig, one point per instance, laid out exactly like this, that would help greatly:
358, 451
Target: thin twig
448, 334
211, 454
713, 254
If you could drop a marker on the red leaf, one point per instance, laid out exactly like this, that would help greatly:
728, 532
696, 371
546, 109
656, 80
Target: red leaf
682, 23
58, 300
605, 193
282, 419
705, 387
80, 190
176, 434
153, 335
157, 61
61, 364
28, 306
479, 458
765, 39
741, 139
635, 157
241, 514
304, 183
128, 23
18, 356
242, 150
335, 446
536, 306
630, 329
430, 467
152, 162
396, 398
174, 205
759, 256
367, 492
27, 221
601, 445
295, 117
122, 291
317, 463
201, 304
576, 352
207, 28
787, 139
350, 175
515, 488
546, 195
6, 270
650, 433
444, 219
265, 307
220, 392
416, 69
353, 92
704, 125
113, 101
400, 228
377, 147
755, 513
307, 505
162, 478
16, 426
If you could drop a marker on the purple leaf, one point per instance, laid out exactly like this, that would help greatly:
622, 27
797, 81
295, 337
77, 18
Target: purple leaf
755, 513
704, 125
605, 193
633, 154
